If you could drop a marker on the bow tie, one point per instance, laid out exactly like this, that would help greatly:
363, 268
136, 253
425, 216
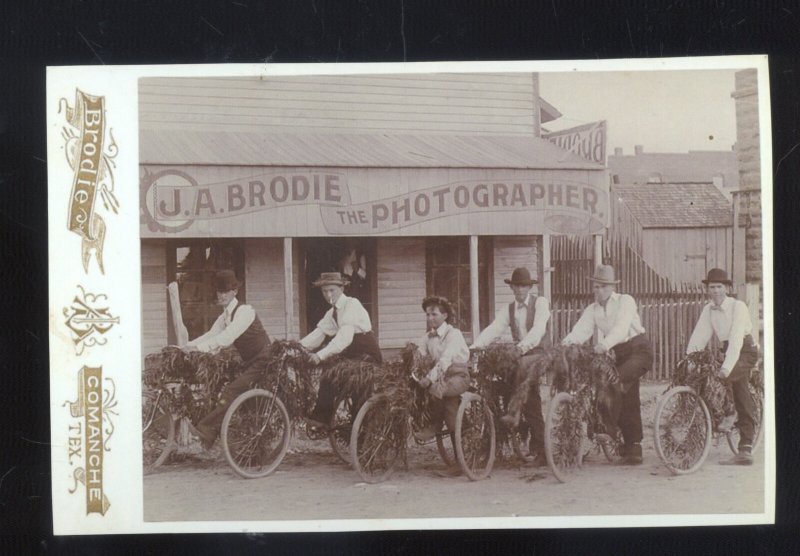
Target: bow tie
433, 334
715, 307
522, 306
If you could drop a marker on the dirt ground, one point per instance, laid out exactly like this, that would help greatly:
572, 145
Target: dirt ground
312, 483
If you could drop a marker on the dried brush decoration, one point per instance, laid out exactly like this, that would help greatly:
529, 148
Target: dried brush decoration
290, 374
699, 370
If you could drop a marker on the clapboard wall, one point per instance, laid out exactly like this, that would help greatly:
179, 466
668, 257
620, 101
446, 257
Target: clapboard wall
265, 286
501, 103
155, 300
401, 288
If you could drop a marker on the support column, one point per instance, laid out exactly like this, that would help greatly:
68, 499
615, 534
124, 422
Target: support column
598, 250
473, 286
547, 270
288, 287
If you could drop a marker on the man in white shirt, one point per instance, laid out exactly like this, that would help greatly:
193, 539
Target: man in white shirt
238, 325
615, 320
449, 376
729, 320
527, 317
348, 330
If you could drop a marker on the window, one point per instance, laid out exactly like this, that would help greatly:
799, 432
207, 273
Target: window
193, 264
447, 274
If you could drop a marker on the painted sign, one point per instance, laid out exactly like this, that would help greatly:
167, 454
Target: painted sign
181, 202
587, 141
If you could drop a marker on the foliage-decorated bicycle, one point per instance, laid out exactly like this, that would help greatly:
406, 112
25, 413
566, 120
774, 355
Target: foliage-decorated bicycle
690, 410
574, 425
381, 430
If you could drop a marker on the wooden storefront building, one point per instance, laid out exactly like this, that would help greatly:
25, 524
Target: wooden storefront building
410, 184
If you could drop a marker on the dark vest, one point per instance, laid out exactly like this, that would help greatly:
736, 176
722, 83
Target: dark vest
530, 309
252, 340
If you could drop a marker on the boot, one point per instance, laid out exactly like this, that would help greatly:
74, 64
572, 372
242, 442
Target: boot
437, 414
208, 427
633, 454
744, 457
451, 411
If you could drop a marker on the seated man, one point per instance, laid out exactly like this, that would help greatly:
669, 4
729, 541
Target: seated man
729, 320
238, 325
449, 377
614, 318
527, 317
348, 326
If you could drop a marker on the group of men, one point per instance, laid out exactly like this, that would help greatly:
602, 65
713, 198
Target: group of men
612, 320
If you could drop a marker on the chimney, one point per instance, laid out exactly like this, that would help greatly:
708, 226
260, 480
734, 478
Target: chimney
638, 149
617, 151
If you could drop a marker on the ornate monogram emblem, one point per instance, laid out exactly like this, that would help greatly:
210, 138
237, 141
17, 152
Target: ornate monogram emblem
89, 320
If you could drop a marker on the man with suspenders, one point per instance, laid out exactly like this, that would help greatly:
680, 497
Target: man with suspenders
527, 317
349, 329
238, 325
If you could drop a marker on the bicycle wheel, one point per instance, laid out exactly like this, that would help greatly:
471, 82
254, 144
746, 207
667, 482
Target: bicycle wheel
377, 440
158, 431
475, 437
445, 443
563, 436
682, 430
255, 433
340, 429
733, 435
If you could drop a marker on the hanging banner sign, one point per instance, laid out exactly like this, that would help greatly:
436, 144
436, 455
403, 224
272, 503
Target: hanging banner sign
587, 141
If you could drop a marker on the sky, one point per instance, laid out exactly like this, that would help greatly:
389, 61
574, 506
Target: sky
665, 111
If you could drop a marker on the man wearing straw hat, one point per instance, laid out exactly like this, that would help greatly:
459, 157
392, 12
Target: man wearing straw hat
615, 319
238, 325
348, 328
729, 320
527, 317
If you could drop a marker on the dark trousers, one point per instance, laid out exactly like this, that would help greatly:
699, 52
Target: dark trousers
364, 346
251, 374
532, 409
620, 404
739, 380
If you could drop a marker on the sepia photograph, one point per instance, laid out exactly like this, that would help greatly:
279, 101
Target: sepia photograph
451, 294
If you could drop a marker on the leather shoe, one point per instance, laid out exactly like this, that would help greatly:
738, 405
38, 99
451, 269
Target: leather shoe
633, 454
426, 434
744, 457
315, 425
206, 435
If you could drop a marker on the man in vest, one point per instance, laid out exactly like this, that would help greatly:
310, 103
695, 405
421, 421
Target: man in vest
527, 317
615, 320
449, 376
238, 325
729, 320
348, 328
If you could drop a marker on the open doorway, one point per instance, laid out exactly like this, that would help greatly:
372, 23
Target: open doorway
355, 259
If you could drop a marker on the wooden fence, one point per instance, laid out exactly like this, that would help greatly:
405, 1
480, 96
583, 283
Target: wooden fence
668, 311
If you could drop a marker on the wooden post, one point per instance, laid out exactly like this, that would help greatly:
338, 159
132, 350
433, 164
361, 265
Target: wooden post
288, 287
547, 270
181, 334
738, 262
598, 251
473, 287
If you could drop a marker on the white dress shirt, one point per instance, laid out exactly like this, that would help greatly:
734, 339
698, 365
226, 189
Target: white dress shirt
225, 329
530, 338
351, 318
446, 346
730, 321
616, 322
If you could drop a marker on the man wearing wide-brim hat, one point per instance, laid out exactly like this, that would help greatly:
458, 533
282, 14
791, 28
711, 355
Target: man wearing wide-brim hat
348, 327
527, 317
238, 325
616, 320
729, 320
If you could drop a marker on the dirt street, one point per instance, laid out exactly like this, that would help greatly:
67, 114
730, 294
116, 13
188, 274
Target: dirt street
312, 483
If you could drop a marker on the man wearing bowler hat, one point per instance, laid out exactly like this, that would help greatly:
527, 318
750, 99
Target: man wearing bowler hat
527, 317
729, 320
348, 328
616, 320
238, 325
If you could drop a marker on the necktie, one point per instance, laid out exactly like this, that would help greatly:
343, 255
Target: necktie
335, 316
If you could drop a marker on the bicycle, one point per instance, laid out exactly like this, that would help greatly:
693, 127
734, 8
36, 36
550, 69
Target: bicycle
258, 427
496, 371
380, 433
574, 414
689, 411
179, 388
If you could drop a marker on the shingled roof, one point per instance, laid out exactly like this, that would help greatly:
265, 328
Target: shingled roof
676, 205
